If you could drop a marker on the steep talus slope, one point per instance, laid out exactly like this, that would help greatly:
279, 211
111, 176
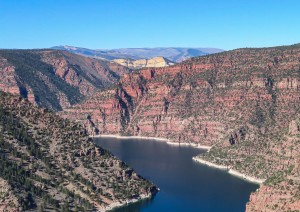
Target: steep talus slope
55, 79
244, 103
144, 63
49, 163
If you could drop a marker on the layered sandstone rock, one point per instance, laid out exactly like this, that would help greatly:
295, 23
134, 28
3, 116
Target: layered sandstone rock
203, 100
241, 102
142, 63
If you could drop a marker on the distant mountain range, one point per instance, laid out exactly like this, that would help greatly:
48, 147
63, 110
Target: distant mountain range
173, 54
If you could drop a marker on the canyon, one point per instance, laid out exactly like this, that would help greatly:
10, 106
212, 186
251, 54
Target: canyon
243, 103
55, 79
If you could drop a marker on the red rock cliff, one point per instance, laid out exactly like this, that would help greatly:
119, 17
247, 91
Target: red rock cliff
244, 103
55, 79
201, 100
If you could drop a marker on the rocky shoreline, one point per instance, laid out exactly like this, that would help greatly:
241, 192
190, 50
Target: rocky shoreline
154, 138
68, 166
142, 197
229, 170
196, 158
189, 144
115, 205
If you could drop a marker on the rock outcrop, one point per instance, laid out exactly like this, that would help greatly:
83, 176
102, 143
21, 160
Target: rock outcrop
244, 103
144, 63
55, 79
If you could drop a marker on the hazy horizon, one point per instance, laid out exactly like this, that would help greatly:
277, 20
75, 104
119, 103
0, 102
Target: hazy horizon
184, 47
145, 24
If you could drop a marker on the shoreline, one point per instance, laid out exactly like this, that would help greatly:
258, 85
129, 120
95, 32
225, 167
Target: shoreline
128, 137
230, 171
155, 138
196, 158
115, 205
189, 144
142, 197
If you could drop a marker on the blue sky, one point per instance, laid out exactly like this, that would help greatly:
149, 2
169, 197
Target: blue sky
101, 24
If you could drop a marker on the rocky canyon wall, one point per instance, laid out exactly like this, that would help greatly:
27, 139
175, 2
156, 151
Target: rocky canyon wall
244, 103
207, 100
55, 79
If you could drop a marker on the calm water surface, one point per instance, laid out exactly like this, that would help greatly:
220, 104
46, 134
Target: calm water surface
185, 185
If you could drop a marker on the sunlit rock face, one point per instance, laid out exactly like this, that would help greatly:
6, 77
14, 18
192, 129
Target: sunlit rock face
244, 103
204, 100
144, 63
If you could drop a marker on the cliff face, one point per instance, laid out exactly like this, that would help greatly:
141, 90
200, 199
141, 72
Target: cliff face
55, 79
205, 100
144, 63
47, 162
244, 103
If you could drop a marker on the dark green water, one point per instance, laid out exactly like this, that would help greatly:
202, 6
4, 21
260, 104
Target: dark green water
185, 185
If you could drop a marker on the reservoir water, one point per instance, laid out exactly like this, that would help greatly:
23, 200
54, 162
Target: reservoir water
185, 185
